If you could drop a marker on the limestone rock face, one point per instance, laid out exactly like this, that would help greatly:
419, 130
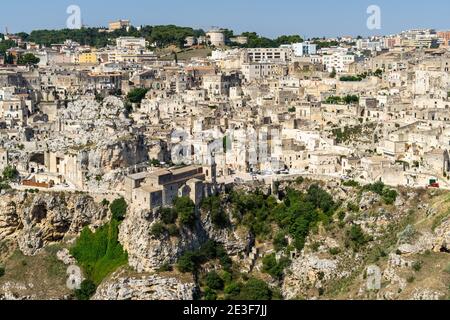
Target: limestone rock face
151, 287
145, 252
442, 239
308, 271
234, 241
35, 220
368, 200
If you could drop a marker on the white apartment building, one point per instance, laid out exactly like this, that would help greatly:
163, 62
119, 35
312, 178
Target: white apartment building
339, 60
281, 54
304, 49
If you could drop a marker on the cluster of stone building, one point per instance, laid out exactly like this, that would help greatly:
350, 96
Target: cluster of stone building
236, 115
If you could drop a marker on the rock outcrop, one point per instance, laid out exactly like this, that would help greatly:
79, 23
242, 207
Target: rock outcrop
35, 220
147, 253
152, 287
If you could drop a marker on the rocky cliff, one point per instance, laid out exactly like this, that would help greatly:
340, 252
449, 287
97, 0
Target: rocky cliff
38, 219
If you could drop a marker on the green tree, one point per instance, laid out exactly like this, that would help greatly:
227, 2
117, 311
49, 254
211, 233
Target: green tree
185, 208
357, 237
214, 281
232, 291
136, 95
255, 289
28, 59
157, 230
273, 267
187, 262
118, 209
280, 242
210, 294
168, 215
10, 173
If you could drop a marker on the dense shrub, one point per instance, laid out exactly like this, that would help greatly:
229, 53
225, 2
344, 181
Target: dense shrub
232, 291
273, 267
185, 209
210, 295
157, 230
214, 281
255, 289
118, 209
389, 196
10, 173
280, 242
2, 271
191, 260
218, 216
356, 237
187, 263
168, 215
136, 95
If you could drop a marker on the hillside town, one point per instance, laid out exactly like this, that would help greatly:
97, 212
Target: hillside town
166, 121
111, 119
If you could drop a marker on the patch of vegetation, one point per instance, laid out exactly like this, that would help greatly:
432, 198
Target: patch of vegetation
214, 281
137, 95
185, 209
334, 251
86, 291
215, 208
279, 241
349, 133
351, 78
296, 215
118, 209
275, 268
158, 229
417, 266
10, 173
255, 289
356, 237
389, 195
99, 253
168, 215
348, 99
2, 271
351, 183
407, 235
190, 261
447, 269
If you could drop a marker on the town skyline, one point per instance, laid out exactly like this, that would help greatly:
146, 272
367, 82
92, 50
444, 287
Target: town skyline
348, 19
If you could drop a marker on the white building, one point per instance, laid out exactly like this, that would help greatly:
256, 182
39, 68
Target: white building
340, 60
281, 54
304, 49
131, 43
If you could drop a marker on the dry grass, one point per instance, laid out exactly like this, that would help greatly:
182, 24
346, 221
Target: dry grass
41, 276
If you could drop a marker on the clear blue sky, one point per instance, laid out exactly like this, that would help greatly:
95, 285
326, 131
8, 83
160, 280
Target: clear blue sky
270, 18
